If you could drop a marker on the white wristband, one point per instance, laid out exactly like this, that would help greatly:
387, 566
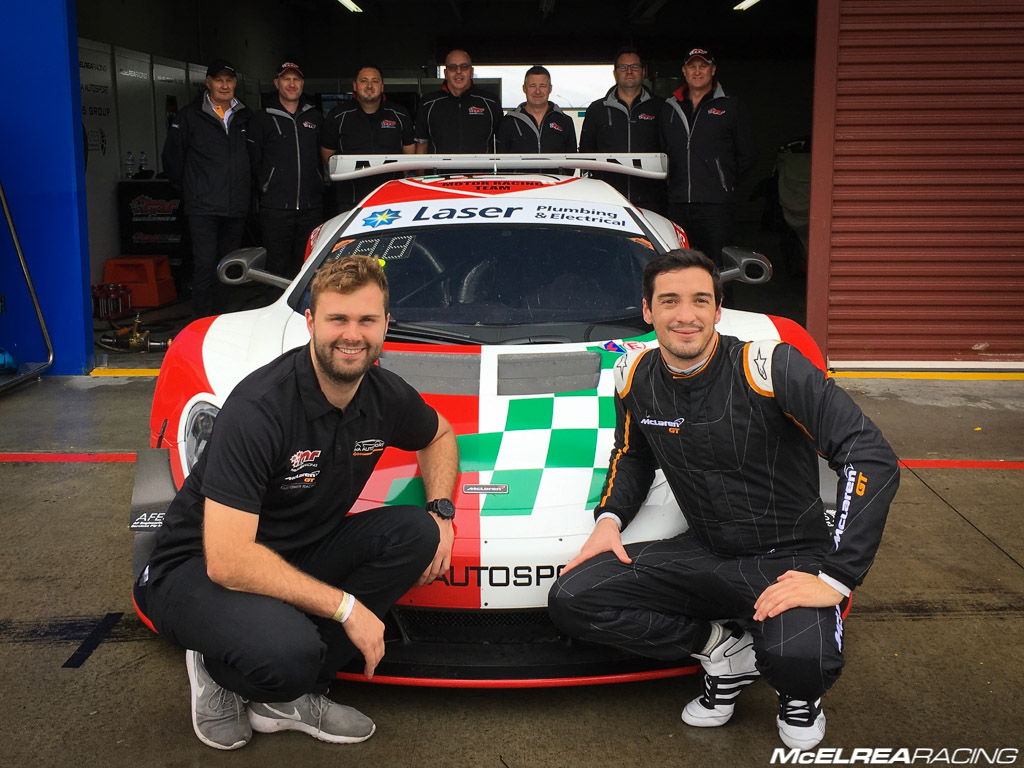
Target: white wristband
345, 607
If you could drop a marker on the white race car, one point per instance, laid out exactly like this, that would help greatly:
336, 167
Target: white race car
512, 295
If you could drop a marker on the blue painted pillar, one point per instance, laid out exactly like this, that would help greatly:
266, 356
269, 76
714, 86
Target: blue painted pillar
41, 167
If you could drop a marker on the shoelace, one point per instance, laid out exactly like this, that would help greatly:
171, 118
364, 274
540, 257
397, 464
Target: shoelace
723, 689
224, 701
797, 711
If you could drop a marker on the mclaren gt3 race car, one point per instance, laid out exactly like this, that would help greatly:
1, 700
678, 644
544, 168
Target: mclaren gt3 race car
512, 296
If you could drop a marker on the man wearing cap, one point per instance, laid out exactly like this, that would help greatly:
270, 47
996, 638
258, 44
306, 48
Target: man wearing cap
367, 125
537, 125
285, 142
626, 120
206, 156
460, 118
710, 145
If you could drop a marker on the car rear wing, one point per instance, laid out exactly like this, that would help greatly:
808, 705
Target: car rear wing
648, 165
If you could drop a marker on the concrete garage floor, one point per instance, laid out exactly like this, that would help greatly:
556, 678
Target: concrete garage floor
935, 644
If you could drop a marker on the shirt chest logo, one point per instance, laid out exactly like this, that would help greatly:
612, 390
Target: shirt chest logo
301, 459
714, 111
645, 116
555, 127
367, 447
672, 425
476, 110
388, 124
311, 126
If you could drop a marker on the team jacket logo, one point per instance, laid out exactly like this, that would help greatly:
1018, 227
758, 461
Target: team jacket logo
476, 110
301, 459
645, 116
381, 218
311, 126
673, 426
714, 111
388, 123
555, 127
367, 447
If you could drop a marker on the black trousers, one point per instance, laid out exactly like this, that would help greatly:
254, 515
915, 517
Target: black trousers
285, 234
709, 226
267, 650
213, 237
661, 605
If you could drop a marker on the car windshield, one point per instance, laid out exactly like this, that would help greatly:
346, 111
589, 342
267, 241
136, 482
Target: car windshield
558, 281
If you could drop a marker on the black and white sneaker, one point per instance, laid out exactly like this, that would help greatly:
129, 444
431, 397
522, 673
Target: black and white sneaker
728, 669
801, 723
218, 715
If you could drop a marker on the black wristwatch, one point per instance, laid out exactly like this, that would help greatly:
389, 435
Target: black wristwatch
443, 508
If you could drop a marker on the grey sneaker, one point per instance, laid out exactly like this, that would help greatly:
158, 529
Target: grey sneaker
314, 714
218, 715
728, 669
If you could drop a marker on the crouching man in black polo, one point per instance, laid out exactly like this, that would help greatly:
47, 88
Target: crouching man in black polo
259, 570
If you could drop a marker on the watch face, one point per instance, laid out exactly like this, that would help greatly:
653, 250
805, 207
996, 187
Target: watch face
443, 508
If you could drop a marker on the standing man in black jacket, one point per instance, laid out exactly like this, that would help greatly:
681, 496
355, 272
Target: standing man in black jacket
537, 125
285, 141
207, 157
710, 146
460, 118
626, 120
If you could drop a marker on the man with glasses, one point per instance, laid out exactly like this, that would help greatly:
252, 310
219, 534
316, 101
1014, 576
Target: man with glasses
626, 120
459, 118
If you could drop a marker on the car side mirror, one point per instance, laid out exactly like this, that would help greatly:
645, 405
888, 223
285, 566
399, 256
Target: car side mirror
245, 265
744, 266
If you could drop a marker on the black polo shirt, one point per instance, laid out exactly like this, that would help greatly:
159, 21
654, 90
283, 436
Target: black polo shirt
351, 131
280, 450
458, 124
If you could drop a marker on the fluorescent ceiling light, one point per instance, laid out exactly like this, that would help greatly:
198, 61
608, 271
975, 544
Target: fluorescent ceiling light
741, 7
356, 9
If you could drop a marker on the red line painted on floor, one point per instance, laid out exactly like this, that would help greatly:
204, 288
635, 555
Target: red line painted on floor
68, 457
957, 464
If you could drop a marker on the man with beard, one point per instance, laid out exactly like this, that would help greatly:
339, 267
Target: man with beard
757, 583
261, 570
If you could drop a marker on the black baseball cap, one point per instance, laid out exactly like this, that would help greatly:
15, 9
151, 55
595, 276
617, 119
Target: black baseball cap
220, 65
286, 65
700, 53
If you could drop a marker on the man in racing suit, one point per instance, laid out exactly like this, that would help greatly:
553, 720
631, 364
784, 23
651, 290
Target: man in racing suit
710, 145
626, 120
756, 585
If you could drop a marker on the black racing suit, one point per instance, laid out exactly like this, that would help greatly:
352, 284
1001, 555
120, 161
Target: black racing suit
738, 442
611, 126
286, 155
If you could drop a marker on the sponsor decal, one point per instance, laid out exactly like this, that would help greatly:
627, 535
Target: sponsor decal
567, 213
856, 483
891, 756
301, 459
673, 425
634, 345
760, 362
388, 124
476, 110
147, 520
555, 127
366, 447
716, 111
381, 218
484, 488
301, 480
499, 575
467, 212
611, 346
144, 205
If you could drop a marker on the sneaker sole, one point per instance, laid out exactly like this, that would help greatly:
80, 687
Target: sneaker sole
263, 724
191, 667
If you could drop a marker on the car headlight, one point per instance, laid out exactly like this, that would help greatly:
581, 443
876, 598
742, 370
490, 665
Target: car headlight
198, 429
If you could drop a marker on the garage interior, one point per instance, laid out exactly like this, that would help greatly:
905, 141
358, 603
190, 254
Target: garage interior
935, 643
